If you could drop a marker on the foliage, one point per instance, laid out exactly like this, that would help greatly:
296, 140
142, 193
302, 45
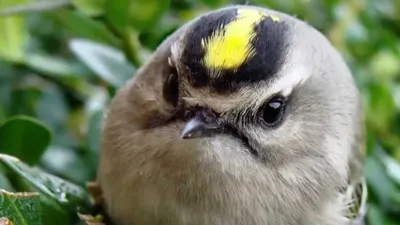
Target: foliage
61, 61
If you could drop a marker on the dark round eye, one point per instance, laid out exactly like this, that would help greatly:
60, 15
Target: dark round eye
272, 112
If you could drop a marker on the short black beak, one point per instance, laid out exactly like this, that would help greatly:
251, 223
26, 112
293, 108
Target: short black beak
199, 127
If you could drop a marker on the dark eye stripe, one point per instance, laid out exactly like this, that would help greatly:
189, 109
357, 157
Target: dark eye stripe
232, 130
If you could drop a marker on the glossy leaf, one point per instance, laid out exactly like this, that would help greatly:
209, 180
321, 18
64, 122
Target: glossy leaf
153, 37
380, 184
94, 111
381, 105
35, 6
90, 7
5, 183
2, 116
94, 131
13, 34
108, 63
385, 65
67, 163
52, 211
144, 14
141, 14
117, 13
393, 168
82, 26
70, 73
21, 208
55, 66
64, 192
52, 97
94, 136
22, 101
25, 138
375, 216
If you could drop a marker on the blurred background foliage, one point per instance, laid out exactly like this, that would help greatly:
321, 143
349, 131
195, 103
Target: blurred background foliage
62, 60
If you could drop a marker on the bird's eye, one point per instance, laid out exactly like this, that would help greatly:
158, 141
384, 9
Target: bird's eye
272, 112
171, 88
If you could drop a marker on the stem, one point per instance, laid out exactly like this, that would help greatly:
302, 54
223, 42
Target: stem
132, 45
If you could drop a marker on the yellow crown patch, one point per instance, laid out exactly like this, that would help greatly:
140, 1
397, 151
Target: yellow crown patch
230, 46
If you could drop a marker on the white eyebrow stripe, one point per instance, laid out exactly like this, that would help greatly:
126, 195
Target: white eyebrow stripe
295, 71
284, 84
290, 79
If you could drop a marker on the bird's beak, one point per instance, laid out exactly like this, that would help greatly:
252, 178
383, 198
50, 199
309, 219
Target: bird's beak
199, 127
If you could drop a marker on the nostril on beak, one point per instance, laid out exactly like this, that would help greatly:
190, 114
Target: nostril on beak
201, 125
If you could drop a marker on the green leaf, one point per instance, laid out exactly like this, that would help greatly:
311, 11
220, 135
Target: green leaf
144, 14
90, 7
216, 3
94, 134
379, 183
396, 94
392, 168
140, 14
385, 65
70, 73
375, 215
382, 107
35, 6
97, 101
13, 32
61, 191
165, 27
52, 211
117, 13
21, 208
4, 181
25, 138
107, 62
94, 110
82, 26
2, 116
53, 97
94, 130
23, 100
55, 66
67, 163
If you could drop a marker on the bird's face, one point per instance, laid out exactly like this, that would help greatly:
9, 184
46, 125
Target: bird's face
258, 80
243, 114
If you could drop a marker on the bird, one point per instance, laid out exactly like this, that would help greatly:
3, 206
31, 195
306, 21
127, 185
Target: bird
244, 115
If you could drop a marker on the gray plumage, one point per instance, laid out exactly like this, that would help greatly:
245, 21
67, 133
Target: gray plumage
149, 175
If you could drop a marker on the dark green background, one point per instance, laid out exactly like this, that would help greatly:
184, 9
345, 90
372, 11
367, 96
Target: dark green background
61, 61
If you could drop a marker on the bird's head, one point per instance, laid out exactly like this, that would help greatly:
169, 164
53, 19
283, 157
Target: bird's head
263, 81
242, 113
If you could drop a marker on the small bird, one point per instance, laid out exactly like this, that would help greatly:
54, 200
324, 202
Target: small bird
243, 116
